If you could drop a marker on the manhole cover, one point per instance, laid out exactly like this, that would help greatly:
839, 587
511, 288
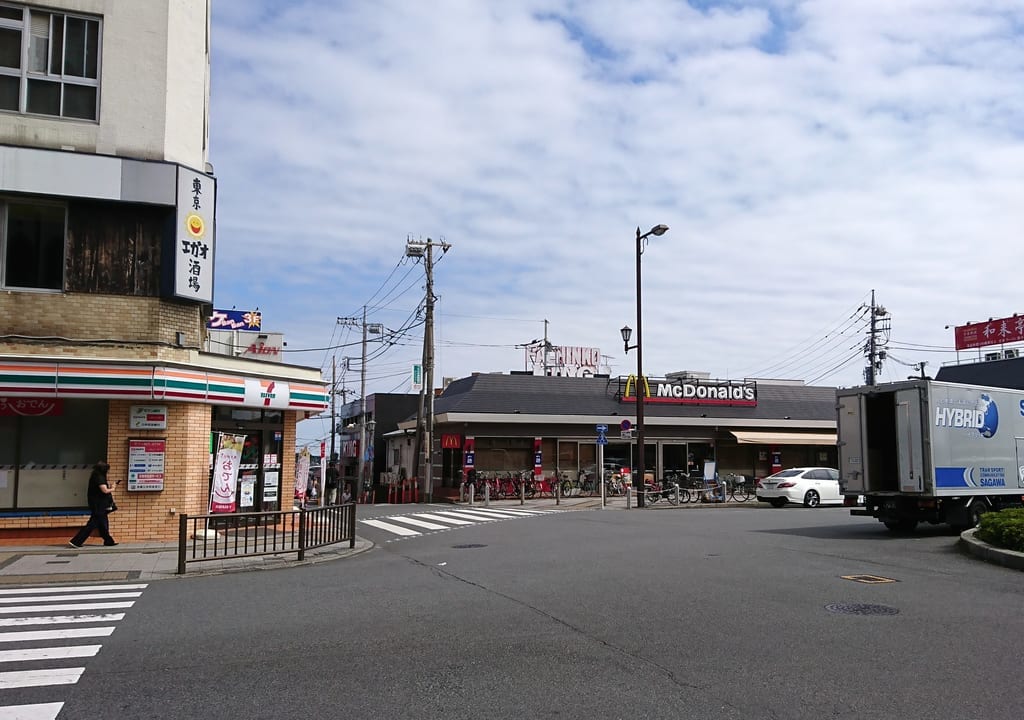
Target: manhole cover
468, 546
861, 609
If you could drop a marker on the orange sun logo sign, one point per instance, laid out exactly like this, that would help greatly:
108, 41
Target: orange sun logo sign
195, 225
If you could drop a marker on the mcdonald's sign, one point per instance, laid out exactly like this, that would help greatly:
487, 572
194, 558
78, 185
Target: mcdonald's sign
632, 384
691, 391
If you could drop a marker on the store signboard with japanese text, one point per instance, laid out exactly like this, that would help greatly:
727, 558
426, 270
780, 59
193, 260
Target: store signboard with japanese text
999, 331
31, 407
146, 464
147, 417
194, 236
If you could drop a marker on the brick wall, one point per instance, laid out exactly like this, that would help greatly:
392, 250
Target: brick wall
145, 516
82, 317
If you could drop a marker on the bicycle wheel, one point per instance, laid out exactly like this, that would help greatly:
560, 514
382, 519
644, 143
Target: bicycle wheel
671, 496
566, 488
684, 495
744, 493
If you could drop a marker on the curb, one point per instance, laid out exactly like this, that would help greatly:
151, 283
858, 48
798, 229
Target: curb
990, 553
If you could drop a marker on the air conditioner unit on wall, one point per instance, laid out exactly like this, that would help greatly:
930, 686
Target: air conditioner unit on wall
991, 356
1011, 353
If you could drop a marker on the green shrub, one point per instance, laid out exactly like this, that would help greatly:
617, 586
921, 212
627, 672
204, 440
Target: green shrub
1004, 529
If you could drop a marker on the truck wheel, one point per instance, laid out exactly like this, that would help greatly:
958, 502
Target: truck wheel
903, 525
777, 502
978, 508
812, 499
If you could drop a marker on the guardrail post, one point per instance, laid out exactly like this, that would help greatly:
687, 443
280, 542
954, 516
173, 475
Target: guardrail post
472, 492
487, 495
352, 526
182, 536
629, 497
302, 534
676, 485
558, 491
522, 492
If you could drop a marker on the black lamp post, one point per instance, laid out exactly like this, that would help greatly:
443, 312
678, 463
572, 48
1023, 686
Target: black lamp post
640, 384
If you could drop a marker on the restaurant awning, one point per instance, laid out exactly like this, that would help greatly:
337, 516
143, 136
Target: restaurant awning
783, 438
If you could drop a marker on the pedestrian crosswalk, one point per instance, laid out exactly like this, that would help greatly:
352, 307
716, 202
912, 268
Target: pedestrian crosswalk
46, 625
427, 523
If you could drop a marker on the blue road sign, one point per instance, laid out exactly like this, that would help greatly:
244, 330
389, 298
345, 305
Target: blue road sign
602, 428
602, 440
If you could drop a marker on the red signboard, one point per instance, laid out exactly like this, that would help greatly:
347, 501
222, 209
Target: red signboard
450, 441
31, 406
994, 332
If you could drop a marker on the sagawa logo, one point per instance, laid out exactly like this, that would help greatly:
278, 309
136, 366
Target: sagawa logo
983, 417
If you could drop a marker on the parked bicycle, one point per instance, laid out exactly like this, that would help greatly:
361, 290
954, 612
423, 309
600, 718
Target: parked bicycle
737, 487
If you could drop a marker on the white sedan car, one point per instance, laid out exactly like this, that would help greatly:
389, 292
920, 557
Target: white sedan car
810, 486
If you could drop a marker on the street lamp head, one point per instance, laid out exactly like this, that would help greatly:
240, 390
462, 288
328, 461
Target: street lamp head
659, 230
627, 333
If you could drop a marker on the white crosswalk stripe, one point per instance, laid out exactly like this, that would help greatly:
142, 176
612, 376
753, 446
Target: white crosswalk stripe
427, 523
33, 615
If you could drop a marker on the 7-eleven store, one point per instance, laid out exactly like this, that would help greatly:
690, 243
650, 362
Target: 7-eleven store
154, 423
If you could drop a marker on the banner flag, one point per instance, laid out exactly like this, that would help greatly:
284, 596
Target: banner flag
301, 476
225, 473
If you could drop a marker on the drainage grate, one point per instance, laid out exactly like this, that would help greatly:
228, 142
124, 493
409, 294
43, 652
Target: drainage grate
861, 609
57, 562
468, 546
868, 579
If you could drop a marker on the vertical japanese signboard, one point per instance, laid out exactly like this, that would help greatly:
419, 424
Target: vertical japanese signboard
146, 464
225, 473
194, 236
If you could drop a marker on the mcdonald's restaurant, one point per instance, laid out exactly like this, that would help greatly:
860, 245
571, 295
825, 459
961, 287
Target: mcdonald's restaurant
508, 423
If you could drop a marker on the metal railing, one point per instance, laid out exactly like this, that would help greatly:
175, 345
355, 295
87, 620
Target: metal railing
224, 536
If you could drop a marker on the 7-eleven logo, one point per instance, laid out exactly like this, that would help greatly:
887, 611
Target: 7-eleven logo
267, 392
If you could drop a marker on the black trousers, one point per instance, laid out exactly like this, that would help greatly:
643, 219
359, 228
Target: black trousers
97, 521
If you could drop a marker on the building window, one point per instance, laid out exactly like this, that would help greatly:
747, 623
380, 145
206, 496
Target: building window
49, 62
32, 245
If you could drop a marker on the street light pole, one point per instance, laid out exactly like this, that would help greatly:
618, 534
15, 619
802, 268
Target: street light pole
641, 465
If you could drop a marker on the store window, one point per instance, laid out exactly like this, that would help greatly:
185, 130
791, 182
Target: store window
49, 62
33, 245
45, 460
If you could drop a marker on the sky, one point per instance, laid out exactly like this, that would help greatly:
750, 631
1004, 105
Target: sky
803, 153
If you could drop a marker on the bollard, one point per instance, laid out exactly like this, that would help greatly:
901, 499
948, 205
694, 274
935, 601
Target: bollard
676, 485
487, 495
472, 491
522, 492
462, 493
629, 497
558, 491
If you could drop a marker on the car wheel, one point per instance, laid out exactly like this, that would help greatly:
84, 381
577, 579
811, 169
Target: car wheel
977, 509
812, 499
777, 502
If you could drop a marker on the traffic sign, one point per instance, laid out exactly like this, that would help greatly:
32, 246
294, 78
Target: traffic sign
627, 433
602, 440
625, 425
602, 429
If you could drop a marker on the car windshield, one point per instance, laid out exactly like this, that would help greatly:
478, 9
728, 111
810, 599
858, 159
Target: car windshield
785, 474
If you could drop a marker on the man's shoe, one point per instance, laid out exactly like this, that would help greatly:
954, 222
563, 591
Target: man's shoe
110, 544
73, 544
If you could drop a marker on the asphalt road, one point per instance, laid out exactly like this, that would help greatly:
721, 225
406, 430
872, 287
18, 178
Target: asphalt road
702, 613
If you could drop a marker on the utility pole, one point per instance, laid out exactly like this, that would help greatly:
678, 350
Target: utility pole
425, 409
362, 415
875, 350
334, 392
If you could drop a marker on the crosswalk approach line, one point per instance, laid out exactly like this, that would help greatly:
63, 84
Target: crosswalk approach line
64, 598
392, 528
37, 678
38, 711
67, 607
70, 589
418, 523
49, 653
33, 635
475, 515
450, 521
60, 619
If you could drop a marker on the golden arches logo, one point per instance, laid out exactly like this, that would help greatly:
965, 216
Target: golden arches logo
631, 381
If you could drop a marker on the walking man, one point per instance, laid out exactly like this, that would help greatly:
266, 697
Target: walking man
100, 497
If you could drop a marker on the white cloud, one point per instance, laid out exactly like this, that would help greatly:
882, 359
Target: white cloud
802, 153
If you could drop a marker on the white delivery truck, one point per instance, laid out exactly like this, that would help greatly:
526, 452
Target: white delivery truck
927, 451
